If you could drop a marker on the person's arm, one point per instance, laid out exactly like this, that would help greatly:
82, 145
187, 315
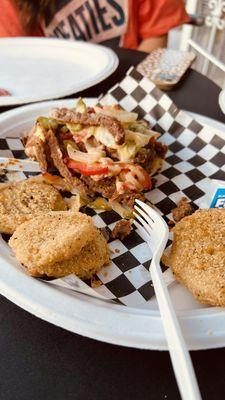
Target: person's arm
10, 24
9, 20
153, 43
155, 19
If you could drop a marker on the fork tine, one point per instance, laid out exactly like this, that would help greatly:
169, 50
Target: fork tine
145, 235
153, 214
145, 208
146, 217
143, 223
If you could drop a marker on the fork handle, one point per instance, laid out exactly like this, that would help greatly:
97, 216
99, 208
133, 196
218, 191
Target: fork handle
179, 354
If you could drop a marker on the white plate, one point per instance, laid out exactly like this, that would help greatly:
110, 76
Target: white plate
222, 100
35, 69
203, 327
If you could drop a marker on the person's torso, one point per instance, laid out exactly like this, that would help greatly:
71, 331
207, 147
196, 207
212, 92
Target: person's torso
97, 21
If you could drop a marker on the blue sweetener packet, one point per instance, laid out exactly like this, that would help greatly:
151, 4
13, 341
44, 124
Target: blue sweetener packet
214, 195
218, 199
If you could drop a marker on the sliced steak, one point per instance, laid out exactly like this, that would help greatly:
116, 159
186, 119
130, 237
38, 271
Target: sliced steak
106, 187
57, 156
144, 156
128, 199
147, 155
160, 149
35, 149
92, 119
122, 229
183, 209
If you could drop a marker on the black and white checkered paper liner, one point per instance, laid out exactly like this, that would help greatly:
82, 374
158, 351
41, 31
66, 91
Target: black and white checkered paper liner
196, 155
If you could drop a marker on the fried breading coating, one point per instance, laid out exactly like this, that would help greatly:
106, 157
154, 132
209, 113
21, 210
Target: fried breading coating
88, 262
51, 238
21, 201
197, 256
60, 243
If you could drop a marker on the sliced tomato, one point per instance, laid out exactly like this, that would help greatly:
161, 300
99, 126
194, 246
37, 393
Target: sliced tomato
139, 175
144, 178
87, 169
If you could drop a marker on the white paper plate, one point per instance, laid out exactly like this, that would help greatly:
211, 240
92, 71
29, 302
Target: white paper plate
222, 100
34, 69
203, 327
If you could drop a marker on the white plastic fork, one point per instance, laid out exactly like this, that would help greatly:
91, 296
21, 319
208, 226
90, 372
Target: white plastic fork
156, 231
